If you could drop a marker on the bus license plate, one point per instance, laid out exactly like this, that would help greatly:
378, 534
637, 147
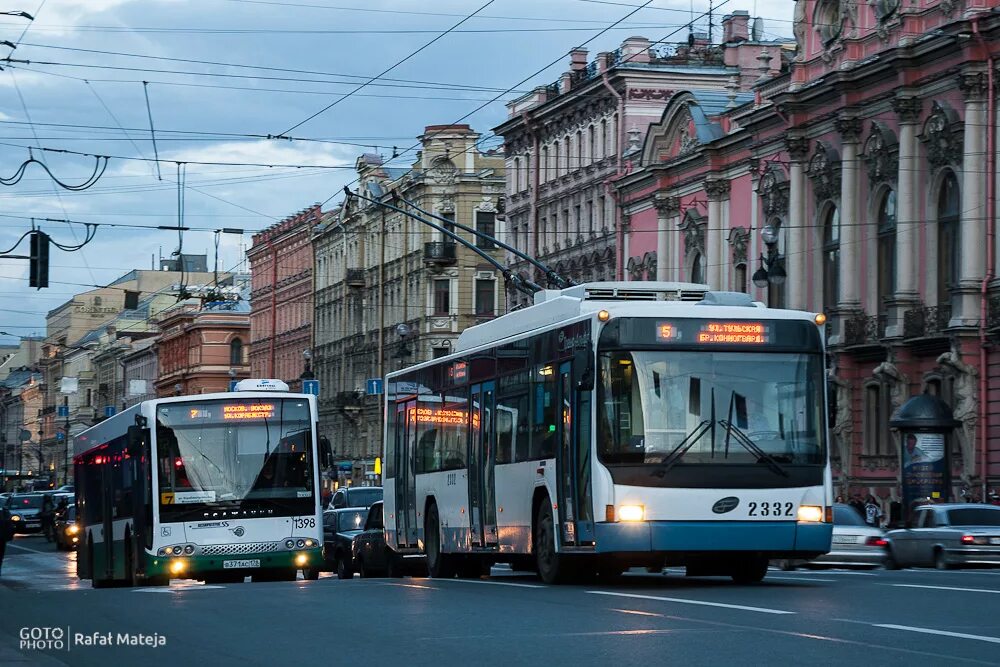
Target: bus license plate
995, 540
239, 564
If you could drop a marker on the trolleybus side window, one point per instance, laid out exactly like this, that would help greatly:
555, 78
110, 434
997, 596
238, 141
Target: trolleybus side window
543, 413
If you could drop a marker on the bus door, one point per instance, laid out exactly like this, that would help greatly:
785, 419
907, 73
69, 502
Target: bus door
482, 480
406, 481
107, 547
566, 456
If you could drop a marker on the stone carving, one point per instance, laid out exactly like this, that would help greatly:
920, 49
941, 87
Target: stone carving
965, 408
884, 10
947, 7
973, 85
446, 205
688, 144
907, 108
649, 265
828, 21
717, 189
800, 28
739, 239
443, 171
889, 375
797, 147
843, 427
667, 205
943, 140
849, 12
650, 94
487, 205
693, 228
881, 155
849, 128
773, 190
824, 171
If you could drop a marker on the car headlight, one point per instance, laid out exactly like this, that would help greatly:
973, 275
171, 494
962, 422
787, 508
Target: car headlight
810, 513
16, 517
72, 529
631, 513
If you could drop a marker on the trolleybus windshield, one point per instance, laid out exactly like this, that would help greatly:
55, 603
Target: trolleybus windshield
251, 457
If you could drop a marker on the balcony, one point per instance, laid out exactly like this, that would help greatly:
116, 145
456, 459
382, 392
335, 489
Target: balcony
355, 278
864, 330
440, 253
926, 322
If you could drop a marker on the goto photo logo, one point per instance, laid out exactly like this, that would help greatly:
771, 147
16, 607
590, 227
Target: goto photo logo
43, 639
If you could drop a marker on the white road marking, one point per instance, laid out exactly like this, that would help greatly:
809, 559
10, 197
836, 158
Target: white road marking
174, 589
494, 583
946, 588
943, 633
34, 551
852, 574
771, 577
703, 603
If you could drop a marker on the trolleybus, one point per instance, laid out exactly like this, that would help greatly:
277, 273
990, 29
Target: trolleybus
213, 487
614, 425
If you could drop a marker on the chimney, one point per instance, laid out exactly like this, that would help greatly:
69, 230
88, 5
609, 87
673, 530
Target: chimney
635, 50
736, 27
578, 59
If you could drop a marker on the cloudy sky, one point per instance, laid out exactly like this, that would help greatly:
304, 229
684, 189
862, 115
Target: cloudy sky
222, 75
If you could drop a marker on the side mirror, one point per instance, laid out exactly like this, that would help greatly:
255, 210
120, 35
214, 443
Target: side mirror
583, 365
325, 452
136, 441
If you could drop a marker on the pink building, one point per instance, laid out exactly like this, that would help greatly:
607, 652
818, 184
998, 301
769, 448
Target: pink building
200, 349
281, 297
860, 183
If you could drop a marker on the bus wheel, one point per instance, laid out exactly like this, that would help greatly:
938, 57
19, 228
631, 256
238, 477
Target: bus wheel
94, 581
552, 567
750, 571
310, 573
439, 565
344, 570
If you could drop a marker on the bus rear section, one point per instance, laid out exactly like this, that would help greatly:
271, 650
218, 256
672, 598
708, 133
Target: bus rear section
216, 487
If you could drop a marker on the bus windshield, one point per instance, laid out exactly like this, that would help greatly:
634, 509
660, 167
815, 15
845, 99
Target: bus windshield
251, 457
710, 407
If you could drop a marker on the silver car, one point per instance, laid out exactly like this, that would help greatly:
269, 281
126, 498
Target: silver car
947, 535
855, 543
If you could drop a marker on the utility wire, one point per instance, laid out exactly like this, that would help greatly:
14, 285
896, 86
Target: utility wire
152, 129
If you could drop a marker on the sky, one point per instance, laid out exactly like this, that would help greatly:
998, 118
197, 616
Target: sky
222, 76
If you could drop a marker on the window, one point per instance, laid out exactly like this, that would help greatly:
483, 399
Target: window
442, 296
831, 258
543, 413
604, 138
886, 250
543, 224
486, 222
450, 226
236, 352
578, 162
948, 259
591, 153
740, 277
555, 158
590, 217
485, 301
544, 164
577, 223
567, 161
877, 412
698, 268
439, 352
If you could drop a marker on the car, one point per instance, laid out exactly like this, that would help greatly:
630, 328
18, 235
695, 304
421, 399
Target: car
355, 496
66, 488
373, 558
854, 543
340, 527
67, 532
947, 535
25, 511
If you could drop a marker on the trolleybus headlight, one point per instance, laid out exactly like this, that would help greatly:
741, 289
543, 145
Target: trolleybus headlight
631, 513
178, 550
289, 544
302, 560
300, 543
310, 543
177, 566
163, 551
189, 549
810, 513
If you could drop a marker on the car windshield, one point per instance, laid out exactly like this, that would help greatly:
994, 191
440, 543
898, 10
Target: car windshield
710, 407
364, 496
352, 520
846, 516
33, 502
974, 516
238, 453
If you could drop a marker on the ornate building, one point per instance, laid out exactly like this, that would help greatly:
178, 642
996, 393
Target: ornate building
861, 183
391, 291
567, 142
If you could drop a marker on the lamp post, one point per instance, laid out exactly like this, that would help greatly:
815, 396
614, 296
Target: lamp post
178, 388
772, 267
307, 373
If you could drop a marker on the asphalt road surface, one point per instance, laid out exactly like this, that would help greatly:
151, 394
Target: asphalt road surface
828, 617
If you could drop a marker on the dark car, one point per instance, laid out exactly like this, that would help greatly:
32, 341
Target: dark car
25, 511
947, 535
373, 558
340, 527
67, 532
355, 496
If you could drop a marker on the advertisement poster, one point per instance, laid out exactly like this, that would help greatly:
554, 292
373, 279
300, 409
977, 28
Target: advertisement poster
924, 467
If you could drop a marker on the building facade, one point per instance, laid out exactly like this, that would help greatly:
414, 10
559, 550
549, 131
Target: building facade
281, 305
392, 291
856, 183
565, 143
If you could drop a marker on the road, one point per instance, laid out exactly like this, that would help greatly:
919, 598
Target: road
911, 617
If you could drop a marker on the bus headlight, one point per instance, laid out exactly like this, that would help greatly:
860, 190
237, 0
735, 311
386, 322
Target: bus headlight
177, 566
631, 513
811, 513
289, 544
300, 543
302, 560
310, 543
178, 550
189, 549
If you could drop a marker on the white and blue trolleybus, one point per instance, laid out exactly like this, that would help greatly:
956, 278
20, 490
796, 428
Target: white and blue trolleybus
214, 487
614, 425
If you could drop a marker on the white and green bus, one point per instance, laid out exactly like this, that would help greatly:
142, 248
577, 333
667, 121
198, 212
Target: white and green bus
214, 487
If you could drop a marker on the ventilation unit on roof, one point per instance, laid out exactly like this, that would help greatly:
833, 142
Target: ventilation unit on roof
644, 293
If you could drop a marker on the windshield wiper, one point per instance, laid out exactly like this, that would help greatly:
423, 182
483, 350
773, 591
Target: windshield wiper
748, 444
677, 453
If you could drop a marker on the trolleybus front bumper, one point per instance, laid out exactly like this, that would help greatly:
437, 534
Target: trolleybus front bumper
191, 567
771, 537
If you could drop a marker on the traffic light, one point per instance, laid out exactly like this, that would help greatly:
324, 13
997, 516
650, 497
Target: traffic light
38, 275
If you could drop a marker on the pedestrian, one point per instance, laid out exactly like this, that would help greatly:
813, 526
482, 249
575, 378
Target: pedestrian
62, 507
873, 513
47, 516
6, 533
858, 506
839, 500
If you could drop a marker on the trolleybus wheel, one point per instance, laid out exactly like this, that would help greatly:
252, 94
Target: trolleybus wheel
750, 571
95, 582
310, 573
439, 565
552, 567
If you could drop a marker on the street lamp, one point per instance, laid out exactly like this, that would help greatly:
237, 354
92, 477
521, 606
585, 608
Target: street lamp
307, 373
772, 267
178, 388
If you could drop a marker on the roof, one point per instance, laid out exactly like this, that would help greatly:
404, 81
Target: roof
396, 173
19, 377
710, 104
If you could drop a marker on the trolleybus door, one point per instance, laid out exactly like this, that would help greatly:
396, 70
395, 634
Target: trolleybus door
406, 481
566, 455
482, 481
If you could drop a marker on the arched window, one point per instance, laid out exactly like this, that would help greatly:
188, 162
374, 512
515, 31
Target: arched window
236, 352
543, 165
591, 154
831, 258
555, 158
517, 175
948, 213
886, 250
698, 268
603, 145
578, 162
567, 159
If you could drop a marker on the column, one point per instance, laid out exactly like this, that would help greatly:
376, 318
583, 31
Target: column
717, 190
907, 290
850, 232
754, 243
667, 212
973, 228
796, 265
